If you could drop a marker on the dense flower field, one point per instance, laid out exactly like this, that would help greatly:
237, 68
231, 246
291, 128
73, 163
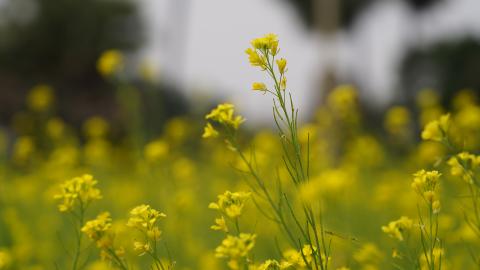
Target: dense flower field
328, 194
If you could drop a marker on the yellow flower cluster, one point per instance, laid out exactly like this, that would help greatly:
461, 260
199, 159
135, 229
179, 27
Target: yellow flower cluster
272, 265
261, 47
97, 228
262, 54
230, 203
425, 184
464, 164
397, 228
224, 114
300, 259
144, 218
235, 248
79, 190
437, 130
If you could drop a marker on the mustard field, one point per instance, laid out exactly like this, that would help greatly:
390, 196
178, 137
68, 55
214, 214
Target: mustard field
210, 193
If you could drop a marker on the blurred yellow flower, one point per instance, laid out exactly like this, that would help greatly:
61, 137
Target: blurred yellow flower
209, 131
40, 98
95, 127
220, 225
96, 229
235, 247
78, 191
110, 62
437, 129
156, 150
224, 114
397, 228
230, 203
259, 86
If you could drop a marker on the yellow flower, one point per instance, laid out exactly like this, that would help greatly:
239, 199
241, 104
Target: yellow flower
156, 150
396, 228
220, 225
95, 127
40, 98
255, 59
397, 120
235, 247
273, 265
209, 131
96, 229
141, 247
464, 164
282, 64
259, 86
79, 190
144, 217
368, 254
437, 129
424, 181
5, 259
224, 114
110, 62
230, 203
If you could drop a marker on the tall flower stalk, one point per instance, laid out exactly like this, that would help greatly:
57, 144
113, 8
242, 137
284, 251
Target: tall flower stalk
304, 231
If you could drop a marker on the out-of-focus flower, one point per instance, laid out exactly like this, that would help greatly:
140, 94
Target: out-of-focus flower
95, 127
144, 218
220, 225
110, 62
156, 150
259, 86
209, 132
437, 129
230, 203
40, 98
235, 247
397, 120
464, 164
224, 114
97, 228
397, 228
78, 191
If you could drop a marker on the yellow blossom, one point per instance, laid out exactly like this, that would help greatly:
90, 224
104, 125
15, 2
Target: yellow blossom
437, 129
230, 203
40, 98
397, 228
141, 247
282, 64
255, 59
78, 191
220, 225
224, 114
96, 229
235, 247
464, 164
259, 86
209, 131
110, 62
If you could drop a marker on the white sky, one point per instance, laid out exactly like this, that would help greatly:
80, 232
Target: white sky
218, 31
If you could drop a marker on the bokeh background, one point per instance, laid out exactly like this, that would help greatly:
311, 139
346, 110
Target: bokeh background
194, 50
138, 129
